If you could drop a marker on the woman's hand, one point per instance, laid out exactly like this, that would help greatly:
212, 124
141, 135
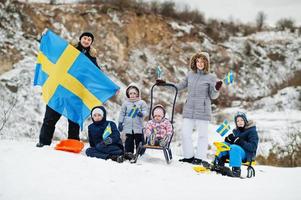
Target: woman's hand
218, 85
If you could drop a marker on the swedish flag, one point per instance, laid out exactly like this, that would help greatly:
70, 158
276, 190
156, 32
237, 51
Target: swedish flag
71, 84
133, 112
229, 78
223, 128
107, 132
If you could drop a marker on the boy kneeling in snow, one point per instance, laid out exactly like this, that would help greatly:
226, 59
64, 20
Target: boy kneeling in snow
243, 144
158, 131
104, 138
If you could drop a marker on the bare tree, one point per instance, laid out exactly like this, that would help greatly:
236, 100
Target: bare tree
285, 23
260, 20
6, 111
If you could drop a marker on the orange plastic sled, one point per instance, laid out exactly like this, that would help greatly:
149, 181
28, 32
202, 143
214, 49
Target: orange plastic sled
70, 145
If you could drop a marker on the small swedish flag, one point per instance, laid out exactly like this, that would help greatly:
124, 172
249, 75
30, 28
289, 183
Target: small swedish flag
107, 132
223, 128
134, 111
229, 78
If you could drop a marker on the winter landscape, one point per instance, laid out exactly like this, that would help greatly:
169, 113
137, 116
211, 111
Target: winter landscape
131, 42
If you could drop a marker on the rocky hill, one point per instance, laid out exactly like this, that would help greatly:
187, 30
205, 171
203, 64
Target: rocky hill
266, 65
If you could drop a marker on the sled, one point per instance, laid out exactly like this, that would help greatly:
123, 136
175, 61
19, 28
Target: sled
70, 145
166, 150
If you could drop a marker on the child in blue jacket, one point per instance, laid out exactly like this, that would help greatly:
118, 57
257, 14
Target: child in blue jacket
243, 144
104, 138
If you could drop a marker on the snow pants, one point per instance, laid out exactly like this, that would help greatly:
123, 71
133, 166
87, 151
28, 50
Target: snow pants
202, 139
50, 119
236, 155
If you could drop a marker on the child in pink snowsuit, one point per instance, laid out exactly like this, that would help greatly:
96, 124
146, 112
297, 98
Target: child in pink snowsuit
158, 131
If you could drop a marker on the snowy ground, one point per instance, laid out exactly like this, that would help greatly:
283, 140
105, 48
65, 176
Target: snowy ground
32, 173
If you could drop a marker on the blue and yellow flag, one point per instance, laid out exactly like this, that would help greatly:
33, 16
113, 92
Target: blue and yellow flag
133, 112
107, 132
71, 84
229, 78
223, 128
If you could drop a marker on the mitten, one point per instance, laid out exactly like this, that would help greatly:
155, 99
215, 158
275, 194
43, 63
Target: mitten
140, 114
230, 138
164, 141
108, 141
218, 85
120, 127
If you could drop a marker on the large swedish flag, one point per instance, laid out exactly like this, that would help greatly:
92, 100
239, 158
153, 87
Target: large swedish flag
71, 84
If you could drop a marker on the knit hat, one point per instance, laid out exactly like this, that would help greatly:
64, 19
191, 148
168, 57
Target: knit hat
159, 110
88, 34
242, 115
98, 111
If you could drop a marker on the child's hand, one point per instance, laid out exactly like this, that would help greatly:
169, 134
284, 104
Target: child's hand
108, 141
44, 31
230, 138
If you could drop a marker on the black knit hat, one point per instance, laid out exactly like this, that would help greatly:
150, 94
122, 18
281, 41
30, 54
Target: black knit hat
88, 34
242, 115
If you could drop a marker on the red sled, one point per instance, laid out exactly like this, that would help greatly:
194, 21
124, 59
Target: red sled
70, 145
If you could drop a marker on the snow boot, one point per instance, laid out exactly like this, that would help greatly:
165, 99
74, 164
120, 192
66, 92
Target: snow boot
129, 156
236, 171
39, 145
116, 158
188, 160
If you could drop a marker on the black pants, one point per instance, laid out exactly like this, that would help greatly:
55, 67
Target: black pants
132, 140
50, 119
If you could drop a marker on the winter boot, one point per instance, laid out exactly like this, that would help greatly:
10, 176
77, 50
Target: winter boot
236, 171
188, 160
129, 156
120, 159
116, 158
39, 145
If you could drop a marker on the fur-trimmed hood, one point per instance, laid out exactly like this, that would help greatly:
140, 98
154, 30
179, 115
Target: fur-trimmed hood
132, 85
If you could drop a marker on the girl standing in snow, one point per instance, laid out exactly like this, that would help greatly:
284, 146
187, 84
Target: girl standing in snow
104, 138
243, 144
130, 120
158, 131
202, 88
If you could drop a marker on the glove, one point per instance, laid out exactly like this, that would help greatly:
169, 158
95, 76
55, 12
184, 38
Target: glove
230, 138
120, 127
108, 141
164, 141
140, 114
218, 85
160, 82
238, 141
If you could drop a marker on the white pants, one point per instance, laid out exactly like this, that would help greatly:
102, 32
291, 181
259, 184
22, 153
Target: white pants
202, 143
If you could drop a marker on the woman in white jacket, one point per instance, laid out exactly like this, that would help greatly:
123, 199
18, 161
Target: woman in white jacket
202, 88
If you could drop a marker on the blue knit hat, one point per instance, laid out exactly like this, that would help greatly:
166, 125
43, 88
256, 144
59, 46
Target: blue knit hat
242, 115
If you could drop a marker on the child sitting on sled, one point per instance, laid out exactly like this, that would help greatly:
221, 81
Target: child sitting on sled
242, 144
158, 131
104, 138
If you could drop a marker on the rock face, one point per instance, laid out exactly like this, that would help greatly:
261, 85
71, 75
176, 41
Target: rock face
131, 45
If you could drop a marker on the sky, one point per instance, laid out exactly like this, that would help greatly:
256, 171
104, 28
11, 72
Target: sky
246, 10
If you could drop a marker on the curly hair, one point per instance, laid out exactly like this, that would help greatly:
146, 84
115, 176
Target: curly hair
193, 62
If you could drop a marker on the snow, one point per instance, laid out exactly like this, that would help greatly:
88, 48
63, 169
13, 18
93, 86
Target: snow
30, 173
186, 28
